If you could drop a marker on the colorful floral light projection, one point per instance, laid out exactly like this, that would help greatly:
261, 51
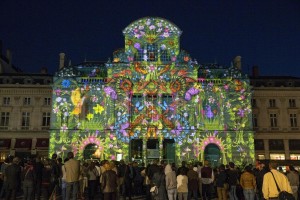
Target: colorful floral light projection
152, 89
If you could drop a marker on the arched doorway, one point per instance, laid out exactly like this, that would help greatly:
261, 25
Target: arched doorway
90, 151
212, 154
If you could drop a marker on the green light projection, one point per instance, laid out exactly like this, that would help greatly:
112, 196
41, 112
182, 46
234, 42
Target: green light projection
152, 89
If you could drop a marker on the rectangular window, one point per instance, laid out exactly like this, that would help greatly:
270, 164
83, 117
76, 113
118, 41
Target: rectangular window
4, 120
25, 120
27, 101
272, 103
255, 122
6, 101
275, 144
47, 101
259, 144
253, 103
293, 120
294, 144
292, 103
273, 120
46, 120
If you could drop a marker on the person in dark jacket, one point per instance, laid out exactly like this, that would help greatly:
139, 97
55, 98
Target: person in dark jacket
159, 180
29, 177
13, 178
110, 182
193, 181
233, 176
221, 182
259, 173
38, 168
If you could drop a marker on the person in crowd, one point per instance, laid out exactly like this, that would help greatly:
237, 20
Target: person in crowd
63, 180
28, 177
248, 183
122, 168
46, 176
171, 182
92, 174
110, 182
184, 167
193, 179
55, 175
72, 167
182, 185
207, 178
13, 179
269, 188
233, 177
221, 182
199, 167
102, 170
147, 182
6, 163
153, 169
160, 182
293, 177
38, 168
138, 180
259, 173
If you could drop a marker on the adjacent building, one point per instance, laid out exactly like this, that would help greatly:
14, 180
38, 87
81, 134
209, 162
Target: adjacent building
25, 110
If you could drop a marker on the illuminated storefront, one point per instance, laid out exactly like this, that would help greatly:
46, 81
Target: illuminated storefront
152, 101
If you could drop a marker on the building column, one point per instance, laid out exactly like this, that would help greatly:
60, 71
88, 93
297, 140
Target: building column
267, 151
286, 149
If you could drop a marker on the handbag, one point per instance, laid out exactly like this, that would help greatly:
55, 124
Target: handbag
283, 195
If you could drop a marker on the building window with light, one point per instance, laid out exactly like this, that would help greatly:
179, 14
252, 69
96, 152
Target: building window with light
25, 120
273, 120
26, 101
46, 120
6, 101
272, 103
292, 103
293, 120
47, 101
4, 120
277, 156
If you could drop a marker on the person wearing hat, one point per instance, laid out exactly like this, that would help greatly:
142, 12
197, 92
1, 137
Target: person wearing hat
13, 178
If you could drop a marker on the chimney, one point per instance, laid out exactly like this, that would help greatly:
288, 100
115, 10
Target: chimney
8, 56
44, 70
61, 60
255, 71
237, 62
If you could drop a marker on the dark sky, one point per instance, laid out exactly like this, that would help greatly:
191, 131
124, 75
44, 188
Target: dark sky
264, 32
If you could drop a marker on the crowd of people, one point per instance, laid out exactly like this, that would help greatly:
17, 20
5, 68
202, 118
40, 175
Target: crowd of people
112, 180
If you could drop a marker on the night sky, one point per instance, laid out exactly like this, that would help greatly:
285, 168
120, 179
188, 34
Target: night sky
264, 32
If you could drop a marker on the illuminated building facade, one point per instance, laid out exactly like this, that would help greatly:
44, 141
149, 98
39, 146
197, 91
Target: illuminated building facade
152, 101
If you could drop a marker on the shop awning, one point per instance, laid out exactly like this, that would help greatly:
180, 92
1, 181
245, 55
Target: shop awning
23, 143
5, 143
42, 143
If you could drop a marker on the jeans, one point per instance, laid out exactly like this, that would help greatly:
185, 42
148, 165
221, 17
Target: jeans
172, 194
232, 193
249, 194
206, 191
63, 190
27, 190
194, 193
182, 195
92, 189
72, 187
